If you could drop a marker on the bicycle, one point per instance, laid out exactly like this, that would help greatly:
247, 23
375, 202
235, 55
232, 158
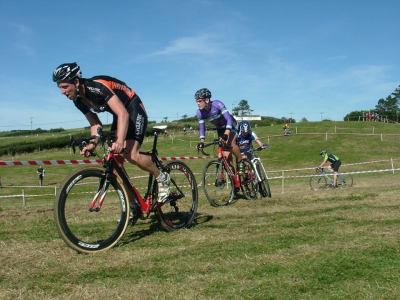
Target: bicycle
221, 182
94, 205
259, 170
324, 179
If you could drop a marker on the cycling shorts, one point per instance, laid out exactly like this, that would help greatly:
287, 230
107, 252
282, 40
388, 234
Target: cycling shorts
232, 135
335, 166
137, 120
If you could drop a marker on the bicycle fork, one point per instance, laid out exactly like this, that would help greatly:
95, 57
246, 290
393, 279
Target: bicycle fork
98, 199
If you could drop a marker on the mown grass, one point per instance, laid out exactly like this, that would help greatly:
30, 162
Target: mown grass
339, 244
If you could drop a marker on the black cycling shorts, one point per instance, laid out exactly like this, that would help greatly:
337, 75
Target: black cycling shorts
137, 120
335, 166
232, 134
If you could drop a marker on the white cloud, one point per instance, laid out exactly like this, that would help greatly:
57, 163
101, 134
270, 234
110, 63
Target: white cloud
23, 36
205, 44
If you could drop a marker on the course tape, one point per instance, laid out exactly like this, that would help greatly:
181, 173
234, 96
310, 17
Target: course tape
80, 161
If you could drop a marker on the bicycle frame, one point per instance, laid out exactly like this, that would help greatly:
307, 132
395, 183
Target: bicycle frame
225, 161
113, 163
255, 160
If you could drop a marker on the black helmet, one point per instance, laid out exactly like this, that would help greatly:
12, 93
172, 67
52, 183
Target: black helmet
67, 72
244, 127
202, 94
322, 152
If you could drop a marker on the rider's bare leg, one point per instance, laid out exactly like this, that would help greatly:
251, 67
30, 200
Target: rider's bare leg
143, 161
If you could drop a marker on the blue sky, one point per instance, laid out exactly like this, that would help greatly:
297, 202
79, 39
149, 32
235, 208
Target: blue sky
306, 58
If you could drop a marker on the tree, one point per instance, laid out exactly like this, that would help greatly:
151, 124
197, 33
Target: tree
184, 116
243, 108
388, 107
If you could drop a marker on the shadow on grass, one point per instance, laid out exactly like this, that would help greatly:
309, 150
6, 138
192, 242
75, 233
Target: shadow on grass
154, 226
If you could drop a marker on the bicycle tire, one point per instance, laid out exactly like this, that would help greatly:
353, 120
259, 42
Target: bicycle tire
217, 184
180, 209
347, 180
249, 183
91, 231
318, 182
264, 188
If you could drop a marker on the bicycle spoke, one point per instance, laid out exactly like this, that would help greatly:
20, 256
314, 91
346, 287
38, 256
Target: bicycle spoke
97, 226
181, 207
217, 184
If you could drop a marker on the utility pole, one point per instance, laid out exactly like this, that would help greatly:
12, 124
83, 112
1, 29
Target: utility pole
322, 115
31, 123
291, 117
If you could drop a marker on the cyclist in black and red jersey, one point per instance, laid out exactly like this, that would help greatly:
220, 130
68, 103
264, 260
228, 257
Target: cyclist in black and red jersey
105, 93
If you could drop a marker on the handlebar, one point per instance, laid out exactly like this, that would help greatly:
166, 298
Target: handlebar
103, 139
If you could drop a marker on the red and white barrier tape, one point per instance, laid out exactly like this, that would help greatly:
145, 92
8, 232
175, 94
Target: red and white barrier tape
80, 161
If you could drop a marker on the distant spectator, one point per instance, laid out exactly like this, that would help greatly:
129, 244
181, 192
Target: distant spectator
40, 171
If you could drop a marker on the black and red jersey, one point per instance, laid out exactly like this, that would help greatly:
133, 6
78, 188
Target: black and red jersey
98, 90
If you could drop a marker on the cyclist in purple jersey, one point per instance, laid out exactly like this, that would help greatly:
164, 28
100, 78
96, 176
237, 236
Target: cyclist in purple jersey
216, 112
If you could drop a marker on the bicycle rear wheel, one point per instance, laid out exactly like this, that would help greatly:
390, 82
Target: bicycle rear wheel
217, 184
180, 209
318, 182
345, 180
91, 230
249, 184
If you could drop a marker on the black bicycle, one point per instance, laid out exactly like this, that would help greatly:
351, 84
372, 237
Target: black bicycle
94, 205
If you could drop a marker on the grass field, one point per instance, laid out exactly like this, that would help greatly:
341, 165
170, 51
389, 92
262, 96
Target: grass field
300, 244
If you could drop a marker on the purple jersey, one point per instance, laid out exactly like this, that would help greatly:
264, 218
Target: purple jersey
218, 115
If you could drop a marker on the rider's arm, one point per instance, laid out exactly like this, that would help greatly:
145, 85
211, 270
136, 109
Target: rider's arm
324, 161
94, 122
202, 126
122, 114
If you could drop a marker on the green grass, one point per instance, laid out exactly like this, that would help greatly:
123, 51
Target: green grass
339, 244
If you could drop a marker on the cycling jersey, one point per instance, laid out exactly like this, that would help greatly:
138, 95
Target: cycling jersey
245, 142
100, 89
218, 115
331, 158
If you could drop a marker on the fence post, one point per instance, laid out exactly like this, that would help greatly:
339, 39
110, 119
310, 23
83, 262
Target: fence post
296, 129
381, 137
55, 190
268, 140
23, 199
373, 129
335, 128
326, 136
391, 161
283, 182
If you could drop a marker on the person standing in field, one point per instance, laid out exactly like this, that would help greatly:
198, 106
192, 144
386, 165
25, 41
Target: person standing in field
40, 171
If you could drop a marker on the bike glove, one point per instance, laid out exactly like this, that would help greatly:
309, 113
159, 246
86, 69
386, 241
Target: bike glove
225, 138
200, 146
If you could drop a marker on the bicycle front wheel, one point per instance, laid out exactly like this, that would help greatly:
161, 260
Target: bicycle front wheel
91, 212
264, 188
180, 209
318, 182
217, 184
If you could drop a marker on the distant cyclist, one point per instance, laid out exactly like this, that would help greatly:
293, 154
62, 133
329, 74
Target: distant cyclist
216, 112
105, 93
330, 161
286, 129
245, 139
